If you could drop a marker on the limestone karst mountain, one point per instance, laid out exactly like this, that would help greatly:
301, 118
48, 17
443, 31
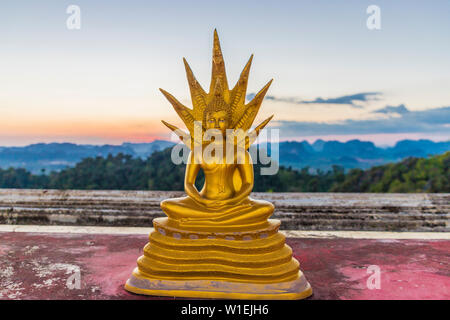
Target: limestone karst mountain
318, 155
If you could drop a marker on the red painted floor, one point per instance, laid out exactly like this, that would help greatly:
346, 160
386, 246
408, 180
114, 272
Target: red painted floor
38, 266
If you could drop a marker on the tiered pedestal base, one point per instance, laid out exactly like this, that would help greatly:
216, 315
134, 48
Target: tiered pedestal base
228, 265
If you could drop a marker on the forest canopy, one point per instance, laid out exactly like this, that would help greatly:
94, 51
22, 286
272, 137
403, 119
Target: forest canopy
157, 172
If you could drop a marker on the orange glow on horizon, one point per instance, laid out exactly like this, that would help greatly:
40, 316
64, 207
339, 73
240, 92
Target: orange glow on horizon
98, 131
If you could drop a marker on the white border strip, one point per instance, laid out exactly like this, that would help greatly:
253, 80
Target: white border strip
74, 229
287, 233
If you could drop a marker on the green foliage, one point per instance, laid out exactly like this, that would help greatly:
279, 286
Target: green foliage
411, 175
121, 172
157, 172
21, 179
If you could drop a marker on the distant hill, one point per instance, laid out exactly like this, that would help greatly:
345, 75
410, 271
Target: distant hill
354, 154
57, 156
321, 155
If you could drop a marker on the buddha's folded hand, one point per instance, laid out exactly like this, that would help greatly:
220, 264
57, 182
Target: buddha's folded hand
219, 203
225, 202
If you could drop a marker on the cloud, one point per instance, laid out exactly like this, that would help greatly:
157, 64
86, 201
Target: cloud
400, 109
350, 99
435, 120
347, 100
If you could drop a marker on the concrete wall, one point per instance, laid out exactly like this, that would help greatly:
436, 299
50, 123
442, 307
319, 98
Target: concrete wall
297, 211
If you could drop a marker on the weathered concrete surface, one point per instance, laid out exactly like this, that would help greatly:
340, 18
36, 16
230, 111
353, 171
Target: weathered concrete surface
288, 233
39, 265
297, 211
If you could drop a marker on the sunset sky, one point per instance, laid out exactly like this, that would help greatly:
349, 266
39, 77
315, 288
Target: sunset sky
333, 77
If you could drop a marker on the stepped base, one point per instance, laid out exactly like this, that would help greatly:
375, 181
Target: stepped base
291, 290
230, 264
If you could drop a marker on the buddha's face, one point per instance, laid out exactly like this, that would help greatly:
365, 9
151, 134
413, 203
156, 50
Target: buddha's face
217, 120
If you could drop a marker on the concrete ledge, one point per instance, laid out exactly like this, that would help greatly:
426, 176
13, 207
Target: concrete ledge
288, 233
297, 211
61, 265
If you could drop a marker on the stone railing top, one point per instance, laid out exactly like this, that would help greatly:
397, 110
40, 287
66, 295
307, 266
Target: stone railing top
286, 198
297, 211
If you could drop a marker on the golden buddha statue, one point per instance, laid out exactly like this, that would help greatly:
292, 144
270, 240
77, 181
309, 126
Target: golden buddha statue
218, 242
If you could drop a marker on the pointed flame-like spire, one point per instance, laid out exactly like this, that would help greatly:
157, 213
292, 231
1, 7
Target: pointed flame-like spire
197, 93
240, 89
184, 112
242, 115
218, 66
252, 108
261, 94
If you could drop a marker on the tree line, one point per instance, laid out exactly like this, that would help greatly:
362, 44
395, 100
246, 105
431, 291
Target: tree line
157, 172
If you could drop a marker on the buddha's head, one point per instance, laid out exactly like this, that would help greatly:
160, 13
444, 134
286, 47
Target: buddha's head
217, 116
